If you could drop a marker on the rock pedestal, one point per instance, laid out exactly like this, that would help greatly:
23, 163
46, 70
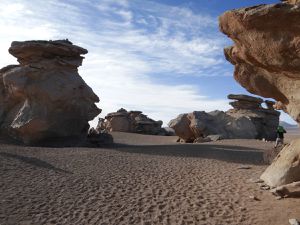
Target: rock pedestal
266, 58
248, 120
265, 51
43, 99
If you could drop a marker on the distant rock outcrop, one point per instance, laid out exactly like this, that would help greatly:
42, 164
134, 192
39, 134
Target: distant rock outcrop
130, 121
267, 63
246, 120
44, 99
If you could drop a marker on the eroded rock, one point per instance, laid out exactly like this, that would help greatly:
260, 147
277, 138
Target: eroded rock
44, 98
266, 51
285, 168
96, 138
288, 190
130, 121
267, 63
247, 120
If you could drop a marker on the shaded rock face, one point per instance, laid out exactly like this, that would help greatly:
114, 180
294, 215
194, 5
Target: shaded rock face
246, 120
44, 98
98, 138
129, 121
266, 51
245, 102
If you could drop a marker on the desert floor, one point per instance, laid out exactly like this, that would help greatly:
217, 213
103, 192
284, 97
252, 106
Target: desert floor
141, 180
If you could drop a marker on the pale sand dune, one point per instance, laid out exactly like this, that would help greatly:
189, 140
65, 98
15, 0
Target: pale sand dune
143, 180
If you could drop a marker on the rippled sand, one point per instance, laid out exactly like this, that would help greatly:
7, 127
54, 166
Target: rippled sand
142, 180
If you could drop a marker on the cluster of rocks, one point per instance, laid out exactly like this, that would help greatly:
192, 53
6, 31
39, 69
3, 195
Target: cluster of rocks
266, 58
132, 122
247, 120
43, 100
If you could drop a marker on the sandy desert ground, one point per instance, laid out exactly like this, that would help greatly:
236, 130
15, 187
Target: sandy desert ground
141, 180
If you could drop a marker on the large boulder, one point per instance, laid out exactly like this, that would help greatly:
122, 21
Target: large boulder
267, 63
44, 99
181, 126
246, 120
285, 168
130, 121
266, 51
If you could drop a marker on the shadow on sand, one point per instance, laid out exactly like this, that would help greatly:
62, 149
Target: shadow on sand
235, 154
32, 161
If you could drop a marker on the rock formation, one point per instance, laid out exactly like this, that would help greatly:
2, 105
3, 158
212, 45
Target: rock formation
291, 1
130, 121
285, 168
246, 120
266, 51
267, 63
98, 138
264, 120
288, 190
44, 99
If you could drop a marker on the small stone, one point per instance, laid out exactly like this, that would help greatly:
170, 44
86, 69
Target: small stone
254, 198
254, 180
264, 187
244, 167
294, 222
278, 198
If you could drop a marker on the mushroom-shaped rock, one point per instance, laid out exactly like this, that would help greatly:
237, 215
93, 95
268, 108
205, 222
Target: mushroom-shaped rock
266, 51
44, 98
247, 120
267, 63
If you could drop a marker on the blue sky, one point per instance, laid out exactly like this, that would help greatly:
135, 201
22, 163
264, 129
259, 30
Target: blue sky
164, 57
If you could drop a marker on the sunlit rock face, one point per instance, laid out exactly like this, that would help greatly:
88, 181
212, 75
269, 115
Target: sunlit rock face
247, 120
266, 56
266, 51
44, 98
285, 168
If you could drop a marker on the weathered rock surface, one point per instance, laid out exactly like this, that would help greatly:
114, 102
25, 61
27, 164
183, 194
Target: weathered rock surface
44, 98
291, 1
288, 190
285, 168
98, 138
130, 121
247, 120
266, 51
245, 102
267, 63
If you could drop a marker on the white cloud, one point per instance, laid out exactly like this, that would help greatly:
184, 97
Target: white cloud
126, 48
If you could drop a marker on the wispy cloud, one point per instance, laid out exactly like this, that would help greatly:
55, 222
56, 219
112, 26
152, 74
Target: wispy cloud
129, 43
